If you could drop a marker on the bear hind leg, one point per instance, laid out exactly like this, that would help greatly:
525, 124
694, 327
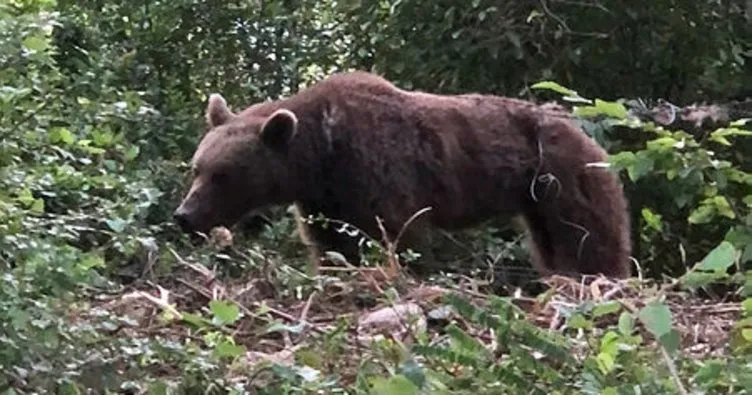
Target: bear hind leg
575, 241
539, 243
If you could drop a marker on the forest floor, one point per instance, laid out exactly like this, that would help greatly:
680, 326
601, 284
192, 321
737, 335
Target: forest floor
362, 305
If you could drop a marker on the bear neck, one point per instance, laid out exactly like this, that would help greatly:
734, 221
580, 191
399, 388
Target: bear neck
311, 150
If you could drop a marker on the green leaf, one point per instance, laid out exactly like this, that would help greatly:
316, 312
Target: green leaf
586, 111
606, 363
610, 343
38, 206
158, 387
116, 224
94, 150
720, 140
731, 131
19, 319
132, 153
36, 43
578, 321
642, 166
702, 214
463, 342
723, 207
695, 279
86, 146
612, 109
60, 134
66, 136
652, 219
103, 139
91, 261
575, 99
395, 385
710, 372
195, 319
553, 86
606, 309
310, 358
747, 334
663, 144
670, 341
747, 306
25, 197
622, 160
224, 312
720, 258
657, 319
68, 388
228, 349
626, 323
414, 373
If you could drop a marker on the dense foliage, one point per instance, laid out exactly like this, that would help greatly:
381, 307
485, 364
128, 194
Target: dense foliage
101, 105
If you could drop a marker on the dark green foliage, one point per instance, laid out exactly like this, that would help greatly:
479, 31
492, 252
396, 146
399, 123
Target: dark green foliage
677, 50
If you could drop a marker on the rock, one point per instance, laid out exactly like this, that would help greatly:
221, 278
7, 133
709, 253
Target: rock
398, 321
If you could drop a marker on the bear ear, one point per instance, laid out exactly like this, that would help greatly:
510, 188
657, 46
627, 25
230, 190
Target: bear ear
279, 128
217, 112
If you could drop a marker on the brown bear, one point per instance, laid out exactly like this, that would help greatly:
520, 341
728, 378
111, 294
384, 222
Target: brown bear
354, 147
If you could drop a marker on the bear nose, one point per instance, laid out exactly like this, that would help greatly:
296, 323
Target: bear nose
181, 219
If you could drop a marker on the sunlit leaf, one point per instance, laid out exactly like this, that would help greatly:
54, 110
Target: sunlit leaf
695, 279
606, 309
414, 372
651, 219
116, 224
195, 319
395, 385
611, 109
657, 318
550, 85
225, 312
227, 349
670, 341
626, 323
38, 206
36, 43
720, 258
606, 362
702, 214
132, 153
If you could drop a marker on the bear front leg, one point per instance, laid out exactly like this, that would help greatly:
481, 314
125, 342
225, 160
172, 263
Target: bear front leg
415, 233
320, 238
304, 233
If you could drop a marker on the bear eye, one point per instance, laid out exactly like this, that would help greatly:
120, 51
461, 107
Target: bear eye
219, 177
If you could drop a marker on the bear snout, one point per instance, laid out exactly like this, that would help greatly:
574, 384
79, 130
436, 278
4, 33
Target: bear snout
182, 219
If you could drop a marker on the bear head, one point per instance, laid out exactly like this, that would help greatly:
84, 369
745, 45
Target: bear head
241, 164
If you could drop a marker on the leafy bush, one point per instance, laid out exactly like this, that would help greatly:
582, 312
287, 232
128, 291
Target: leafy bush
688, 193
73, 197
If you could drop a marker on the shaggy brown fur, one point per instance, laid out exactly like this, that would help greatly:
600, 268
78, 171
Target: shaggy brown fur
354, 147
